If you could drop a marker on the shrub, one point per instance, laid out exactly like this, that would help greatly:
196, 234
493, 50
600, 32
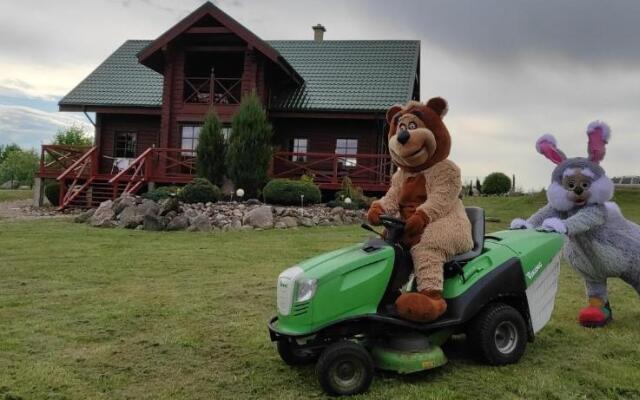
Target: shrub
348, 190
161, 192
211, 150
249, 151
200, 191
288, 192
52, 192
496, 183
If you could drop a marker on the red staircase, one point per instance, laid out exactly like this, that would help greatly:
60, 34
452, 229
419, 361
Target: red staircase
93, 193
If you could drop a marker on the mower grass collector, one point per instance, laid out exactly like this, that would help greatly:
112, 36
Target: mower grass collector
338, 308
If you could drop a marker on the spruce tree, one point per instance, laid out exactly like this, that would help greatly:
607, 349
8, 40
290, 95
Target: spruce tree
210, 157
478, 185
249, 151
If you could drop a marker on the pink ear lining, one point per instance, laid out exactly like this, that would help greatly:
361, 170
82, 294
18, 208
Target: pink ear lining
546, 146
599, 134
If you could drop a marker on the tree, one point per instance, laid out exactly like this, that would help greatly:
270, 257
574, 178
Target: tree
210, 155
5, 150
74, 136
496, 183
19, 166
249, 151
478, 186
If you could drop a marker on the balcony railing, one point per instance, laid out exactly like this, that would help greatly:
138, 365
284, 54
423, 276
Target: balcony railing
369, 171
212, 90
55, 159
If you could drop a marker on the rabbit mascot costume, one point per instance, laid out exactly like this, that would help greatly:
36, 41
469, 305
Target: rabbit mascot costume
600, 243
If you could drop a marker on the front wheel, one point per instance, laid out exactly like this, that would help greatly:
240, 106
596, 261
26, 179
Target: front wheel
345, 368
498, 334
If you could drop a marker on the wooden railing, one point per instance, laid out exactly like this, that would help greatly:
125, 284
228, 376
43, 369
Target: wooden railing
137, 173
83, 169
55, 159
208, 90
369, 171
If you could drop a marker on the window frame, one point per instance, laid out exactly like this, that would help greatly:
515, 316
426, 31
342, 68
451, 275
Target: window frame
194, 138
349, 149
295, 148
134, 148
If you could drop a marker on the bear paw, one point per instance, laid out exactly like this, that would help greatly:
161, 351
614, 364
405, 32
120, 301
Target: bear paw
520, 223
424, 306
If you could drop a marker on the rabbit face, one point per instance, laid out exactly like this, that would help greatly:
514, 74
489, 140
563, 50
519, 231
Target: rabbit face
576, 182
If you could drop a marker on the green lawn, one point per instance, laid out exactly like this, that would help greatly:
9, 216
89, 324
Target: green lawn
112, 314
10, 195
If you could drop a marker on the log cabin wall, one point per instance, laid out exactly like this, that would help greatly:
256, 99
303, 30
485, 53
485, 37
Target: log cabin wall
146, 128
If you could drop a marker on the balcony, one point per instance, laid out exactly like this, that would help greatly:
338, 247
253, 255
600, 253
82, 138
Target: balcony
212, 90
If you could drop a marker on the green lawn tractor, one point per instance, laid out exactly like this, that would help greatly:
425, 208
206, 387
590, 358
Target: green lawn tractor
337, 309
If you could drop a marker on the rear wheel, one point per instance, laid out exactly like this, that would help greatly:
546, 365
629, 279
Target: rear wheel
498, 334
345, 368
291, 354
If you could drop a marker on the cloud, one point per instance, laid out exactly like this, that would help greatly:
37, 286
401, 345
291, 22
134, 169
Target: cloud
30, 127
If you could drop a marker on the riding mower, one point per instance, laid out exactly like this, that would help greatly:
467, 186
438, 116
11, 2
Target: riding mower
338, 308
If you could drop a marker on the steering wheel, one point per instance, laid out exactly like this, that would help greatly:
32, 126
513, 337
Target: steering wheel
389, 220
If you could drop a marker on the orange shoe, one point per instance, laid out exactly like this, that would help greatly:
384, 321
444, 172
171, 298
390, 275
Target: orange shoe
423, 306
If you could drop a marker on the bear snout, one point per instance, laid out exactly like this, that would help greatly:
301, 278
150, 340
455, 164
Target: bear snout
404, 136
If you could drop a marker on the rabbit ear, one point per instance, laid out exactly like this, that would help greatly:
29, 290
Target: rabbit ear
546, 145
599, 134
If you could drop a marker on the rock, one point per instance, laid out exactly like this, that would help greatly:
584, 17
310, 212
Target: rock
130, 218
123, 202
103, 215
308, 222
259, 217
148, 207
290, 222
168, 205
253, 202
235, 224
280, 225
153, 222
337, 210
9, 185
85, 216
178, 223
201, 223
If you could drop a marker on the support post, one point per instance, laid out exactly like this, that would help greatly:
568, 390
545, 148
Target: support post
38, 192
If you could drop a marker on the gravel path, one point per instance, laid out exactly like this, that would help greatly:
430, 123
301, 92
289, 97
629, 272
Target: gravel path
22, 209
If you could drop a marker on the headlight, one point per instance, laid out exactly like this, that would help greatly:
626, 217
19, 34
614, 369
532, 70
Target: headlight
306, 289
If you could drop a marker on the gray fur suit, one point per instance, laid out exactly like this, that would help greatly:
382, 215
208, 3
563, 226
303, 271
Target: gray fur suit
601, 242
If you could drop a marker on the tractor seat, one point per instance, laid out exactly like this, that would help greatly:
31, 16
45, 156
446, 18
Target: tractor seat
476, 217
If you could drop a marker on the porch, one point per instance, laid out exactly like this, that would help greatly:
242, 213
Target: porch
82, 184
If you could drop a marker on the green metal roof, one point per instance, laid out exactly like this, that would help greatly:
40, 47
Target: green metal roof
347, 76
342, 75
120, 81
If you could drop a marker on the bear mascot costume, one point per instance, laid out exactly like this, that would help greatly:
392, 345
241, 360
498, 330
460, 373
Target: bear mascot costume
424, 193
600, 242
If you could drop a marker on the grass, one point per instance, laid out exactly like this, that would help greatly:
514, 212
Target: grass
113, 314
11, 195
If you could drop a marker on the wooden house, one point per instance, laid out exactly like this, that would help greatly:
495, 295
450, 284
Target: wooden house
325, 99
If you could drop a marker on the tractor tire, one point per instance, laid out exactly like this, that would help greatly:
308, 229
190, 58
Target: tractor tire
498, 334
345, 368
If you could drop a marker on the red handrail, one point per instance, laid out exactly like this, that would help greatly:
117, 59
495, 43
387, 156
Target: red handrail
77, 163
133, 164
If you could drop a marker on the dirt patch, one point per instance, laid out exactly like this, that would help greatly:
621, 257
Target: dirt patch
22, 209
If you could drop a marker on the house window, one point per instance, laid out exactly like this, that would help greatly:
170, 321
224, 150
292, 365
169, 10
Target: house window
125, 145
190, 135
298, 145
347, 146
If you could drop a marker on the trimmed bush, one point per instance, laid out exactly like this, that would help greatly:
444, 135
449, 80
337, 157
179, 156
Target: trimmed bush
200, 191
161, 192
496, 183
288, 192
52, 192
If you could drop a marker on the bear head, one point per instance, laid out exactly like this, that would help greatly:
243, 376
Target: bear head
418, 139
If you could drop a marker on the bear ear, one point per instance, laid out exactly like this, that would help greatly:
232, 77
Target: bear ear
439, 106
392, 112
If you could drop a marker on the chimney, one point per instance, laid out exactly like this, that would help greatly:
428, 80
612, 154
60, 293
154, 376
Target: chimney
318, 32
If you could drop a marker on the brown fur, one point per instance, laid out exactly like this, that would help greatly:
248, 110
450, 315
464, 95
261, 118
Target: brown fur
425, 195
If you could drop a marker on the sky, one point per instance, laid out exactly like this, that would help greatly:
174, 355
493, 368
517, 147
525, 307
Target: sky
510, 69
